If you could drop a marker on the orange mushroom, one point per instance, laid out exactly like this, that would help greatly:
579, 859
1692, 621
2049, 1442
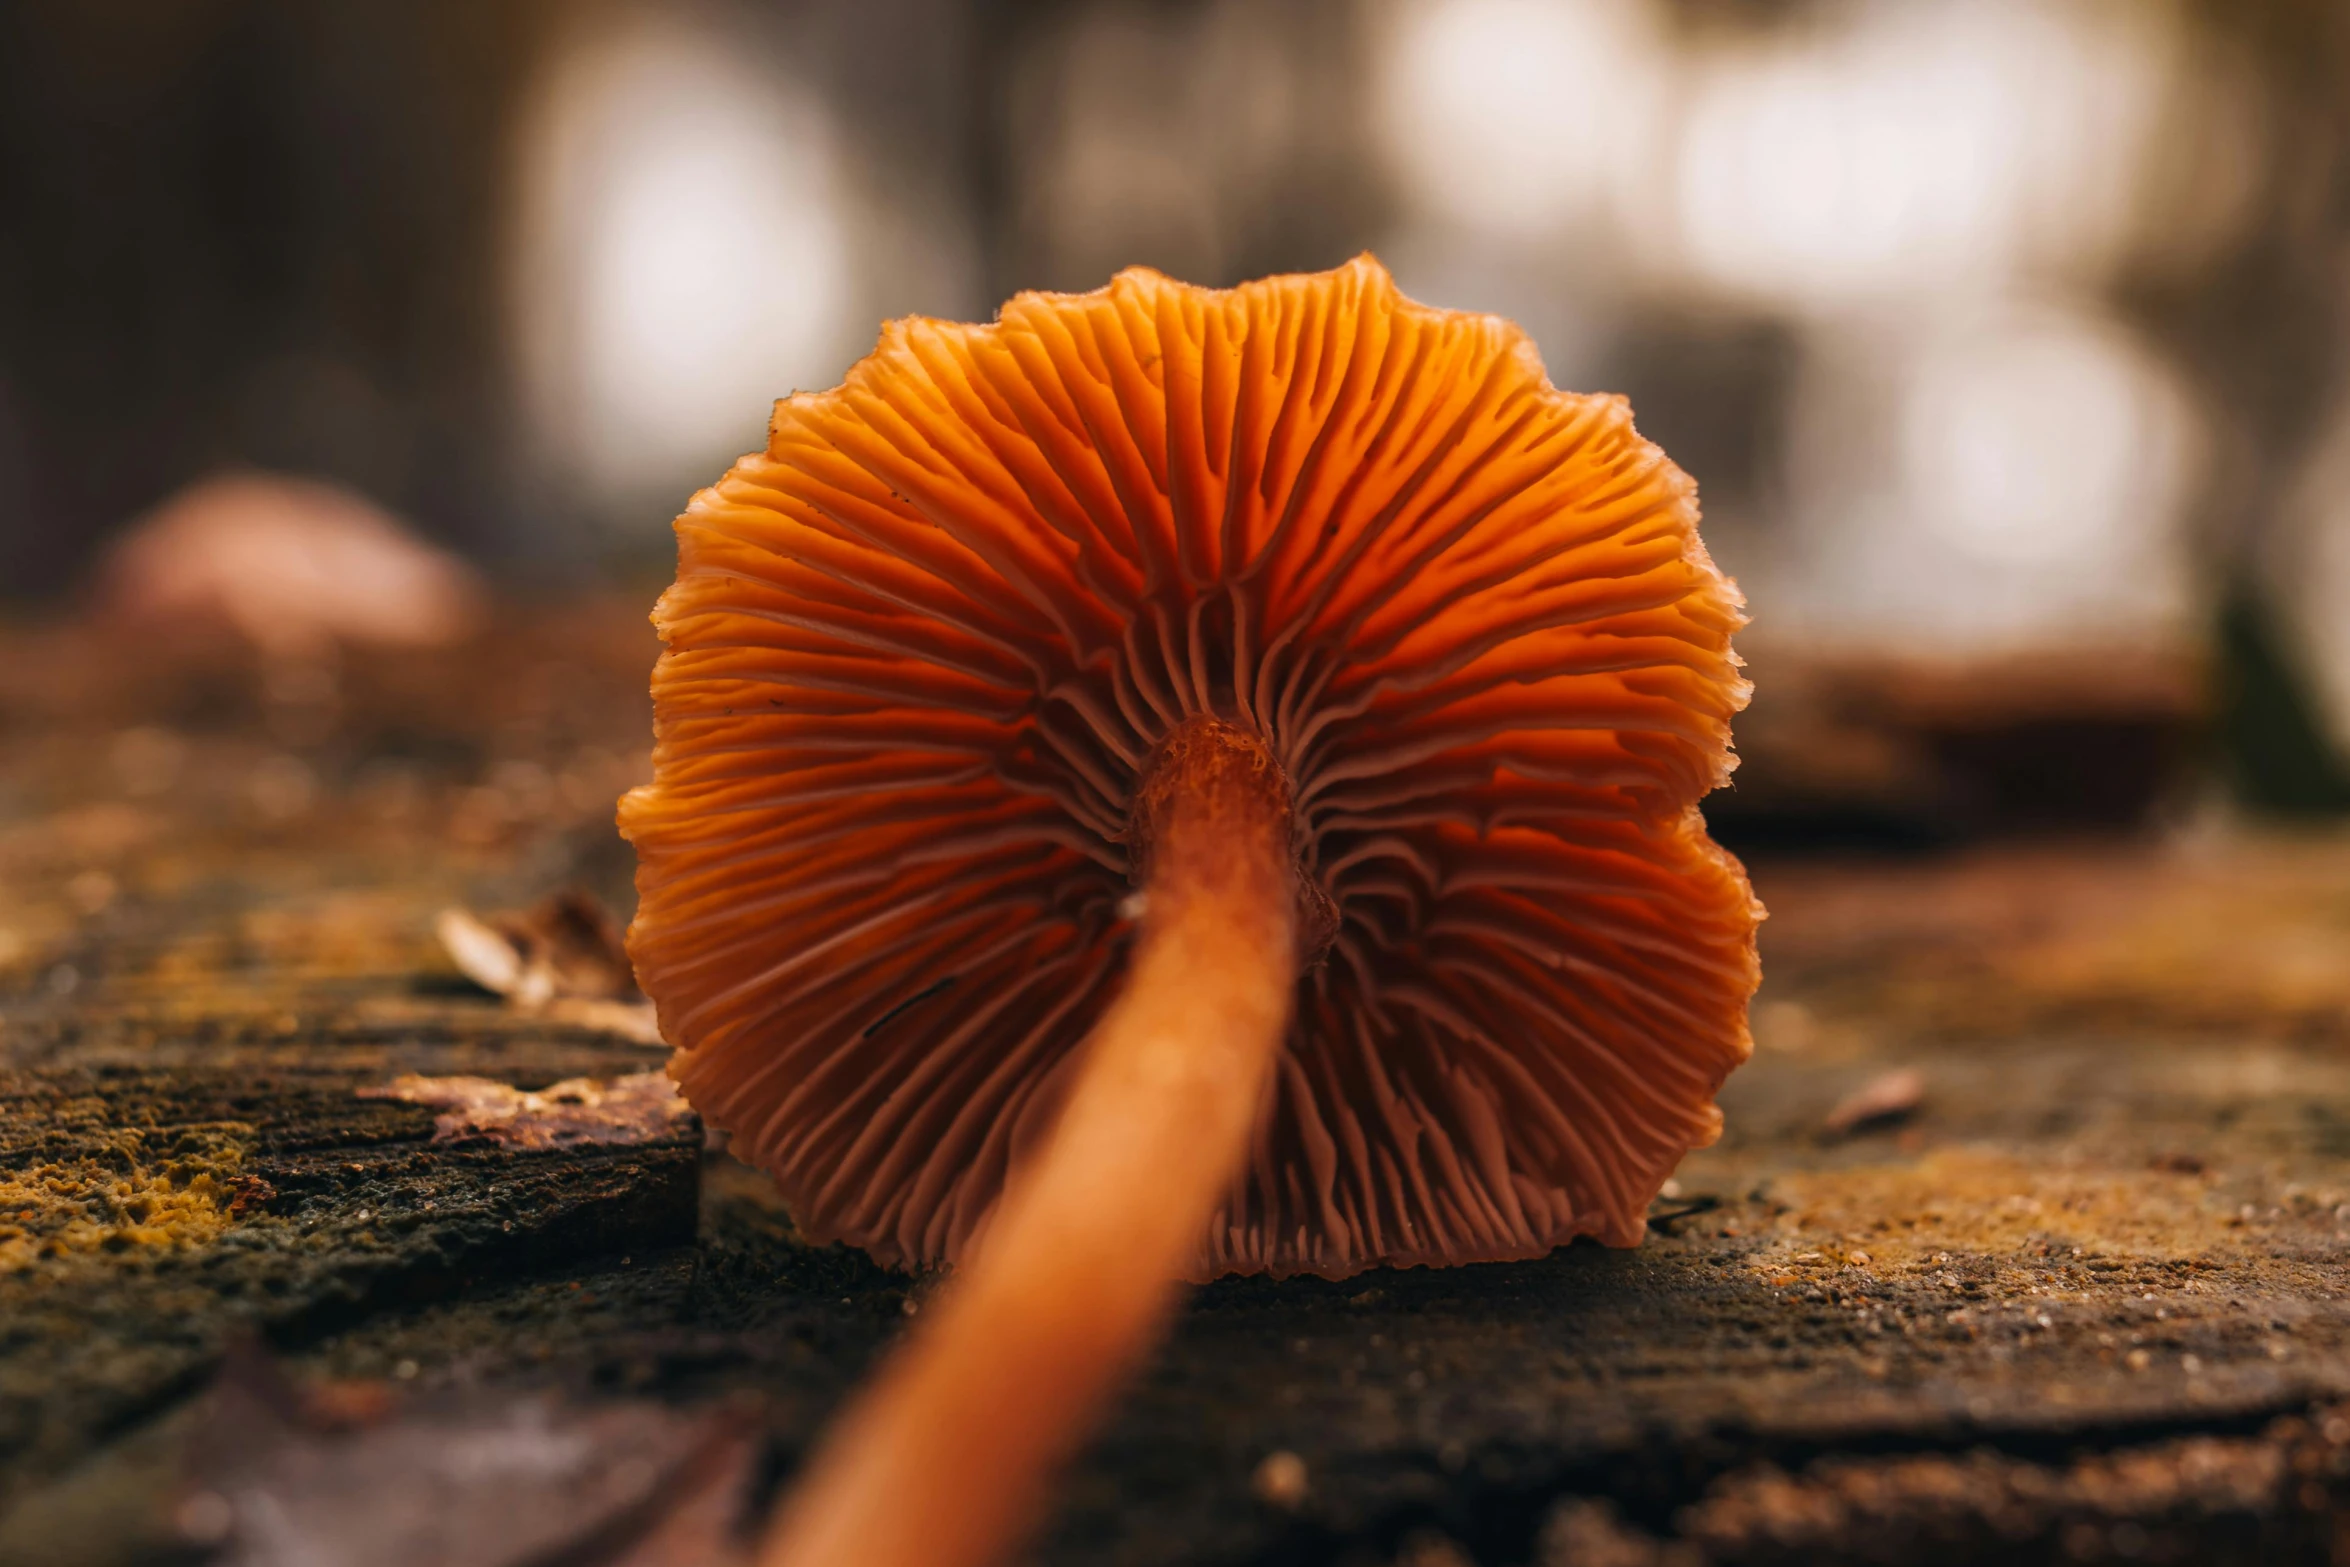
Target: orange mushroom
1179, 782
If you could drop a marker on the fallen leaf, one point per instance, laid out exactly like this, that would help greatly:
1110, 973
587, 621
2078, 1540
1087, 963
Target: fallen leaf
563, 959
566, 946
641, 1107
280, 1476
631, 1020
1885, 1098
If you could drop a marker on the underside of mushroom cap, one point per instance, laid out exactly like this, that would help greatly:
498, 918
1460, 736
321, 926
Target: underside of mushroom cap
920, 649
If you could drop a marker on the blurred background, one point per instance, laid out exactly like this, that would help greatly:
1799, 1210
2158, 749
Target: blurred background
2009, 340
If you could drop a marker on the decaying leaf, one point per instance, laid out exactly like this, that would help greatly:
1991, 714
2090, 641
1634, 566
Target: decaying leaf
1887, 1097
640, 1107
563, 958
277, 1476
564, 946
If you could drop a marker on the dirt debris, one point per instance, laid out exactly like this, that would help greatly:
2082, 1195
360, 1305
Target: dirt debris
2267, 1497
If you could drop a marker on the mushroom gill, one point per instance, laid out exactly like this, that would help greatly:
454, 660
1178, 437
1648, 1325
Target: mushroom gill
1295, 650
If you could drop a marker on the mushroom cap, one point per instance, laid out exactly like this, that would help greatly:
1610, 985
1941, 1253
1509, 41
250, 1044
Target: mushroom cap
920, 648
293, 566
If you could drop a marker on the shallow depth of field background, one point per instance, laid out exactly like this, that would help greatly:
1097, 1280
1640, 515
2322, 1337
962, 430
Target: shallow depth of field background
2009, 341
356, 356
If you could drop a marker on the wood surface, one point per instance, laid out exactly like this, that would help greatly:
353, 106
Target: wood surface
2087, 1298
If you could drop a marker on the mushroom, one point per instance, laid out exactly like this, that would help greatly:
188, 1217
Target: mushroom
292, 566
1179, 782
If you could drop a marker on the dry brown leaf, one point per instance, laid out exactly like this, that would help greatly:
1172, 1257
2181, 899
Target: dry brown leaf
281, 1476
563, 959
566, 946
1889, 1096
641, 1107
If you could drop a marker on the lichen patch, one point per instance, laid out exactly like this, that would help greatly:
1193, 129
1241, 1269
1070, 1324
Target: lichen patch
132, 1187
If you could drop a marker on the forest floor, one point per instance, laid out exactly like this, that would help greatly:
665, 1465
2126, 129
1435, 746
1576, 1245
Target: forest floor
2029, 1237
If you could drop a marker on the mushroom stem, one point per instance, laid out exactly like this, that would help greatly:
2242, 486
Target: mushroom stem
943, 1461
